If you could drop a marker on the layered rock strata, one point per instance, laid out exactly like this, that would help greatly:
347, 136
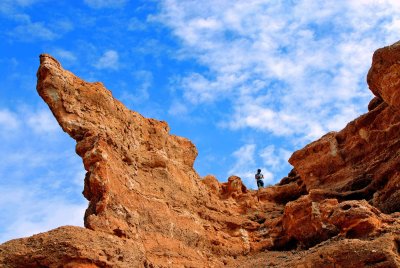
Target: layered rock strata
148, 207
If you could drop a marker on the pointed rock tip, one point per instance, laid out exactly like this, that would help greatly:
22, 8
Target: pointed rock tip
47, 58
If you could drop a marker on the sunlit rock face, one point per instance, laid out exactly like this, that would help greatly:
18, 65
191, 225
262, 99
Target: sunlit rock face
140, 180
338, 207
362, 161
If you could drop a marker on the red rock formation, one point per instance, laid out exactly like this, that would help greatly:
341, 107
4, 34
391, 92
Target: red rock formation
311, 221
72, 247
140, 180
361, 161
149, 208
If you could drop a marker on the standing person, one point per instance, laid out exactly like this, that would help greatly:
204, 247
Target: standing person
259, 177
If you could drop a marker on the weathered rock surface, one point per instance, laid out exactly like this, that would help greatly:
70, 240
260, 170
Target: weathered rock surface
72, 247
382, 251
148, 207
140, 180
362, 160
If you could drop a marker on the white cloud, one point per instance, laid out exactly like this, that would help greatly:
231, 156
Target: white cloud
26, 158
33, 31
199, 89
105, 3
244, 163
244, 157
8, 121
109, 60
269, 156
28, 30
258, 117
43, 122
275, 158
65, 55
79, 177
6, 8
63, 25
41, 184
289, 69
30, 212
40, 189
178, 108
245, 166
268, 176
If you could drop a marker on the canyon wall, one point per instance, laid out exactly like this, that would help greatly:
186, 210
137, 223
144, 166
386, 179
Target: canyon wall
338, 207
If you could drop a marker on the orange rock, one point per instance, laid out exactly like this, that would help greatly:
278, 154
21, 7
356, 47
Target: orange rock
212, 183
140, 180
383, 78
233, 188
307, 222
288, 189
70, 246
359, 162
149, 208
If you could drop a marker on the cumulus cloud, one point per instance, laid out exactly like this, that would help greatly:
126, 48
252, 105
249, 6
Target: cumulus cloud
289, 69
43, 122
271, 159
41, 188
63, 25
275, 158
8, 120
178, 108
105, 3
244, 161
109, 60
65, 55
41, 185
245, 167
33, 213
245, 157
31, 31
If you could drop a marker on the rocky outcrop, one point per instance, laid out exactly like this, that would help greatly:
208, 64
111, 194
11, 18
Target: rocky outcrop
361, 161
72, 247
381, 251
149, 208
140, 180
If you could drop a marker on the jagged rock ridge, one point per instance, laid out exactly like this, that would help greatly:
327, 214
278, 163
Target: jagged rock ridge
148, 203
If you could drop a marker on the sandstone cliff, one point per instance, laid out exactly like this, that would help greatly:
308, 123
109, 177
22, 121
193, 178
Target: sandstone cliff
338, 207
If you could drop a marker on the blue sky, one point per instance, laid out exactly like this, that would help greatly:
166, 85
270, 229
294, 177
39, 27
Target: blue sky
248, 82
